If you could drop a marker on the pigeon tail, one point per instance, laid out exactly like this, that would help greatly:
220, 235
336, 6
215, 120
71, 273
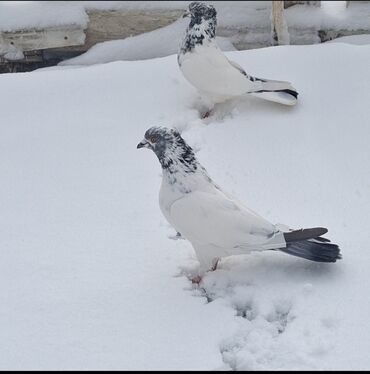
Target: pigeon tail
310, 245
277, 91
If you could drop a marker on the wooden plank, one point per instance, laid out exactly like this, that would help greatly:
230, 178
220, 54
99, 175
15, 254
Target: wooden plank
288, 4
32, 40
279, 26
359, 1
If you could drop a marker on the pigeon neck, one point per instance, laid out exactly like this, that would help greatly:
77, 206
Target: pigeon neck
182, 173
198, 34
181, 180
181, 159
179, 165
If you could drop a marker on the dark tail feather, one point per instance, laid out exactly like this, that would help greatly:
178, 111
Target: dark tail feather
290, 92
314, 251
269, 85
287, 91
309, 245
304, 234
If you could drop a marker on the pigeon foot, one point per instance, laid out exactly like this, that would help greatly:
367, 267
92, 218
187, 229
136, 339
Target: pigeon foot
196, 280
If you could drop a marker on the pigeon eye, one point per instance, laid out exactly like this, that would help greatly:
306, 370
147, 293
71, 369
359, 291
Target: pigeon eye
153, 139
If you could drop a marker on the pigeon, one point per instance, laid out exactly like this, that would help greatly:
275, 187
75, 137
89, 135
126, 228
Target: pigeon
216, 223
217, 78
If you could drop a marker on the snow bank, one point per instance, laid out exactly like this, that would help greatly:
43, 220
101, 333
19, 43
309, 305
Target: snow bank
158, 43
88, 276
362, 39
19, 15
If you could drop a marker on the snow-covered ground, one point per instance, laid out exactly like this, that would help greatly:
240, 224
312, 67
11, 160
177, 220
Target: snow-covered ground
89, 278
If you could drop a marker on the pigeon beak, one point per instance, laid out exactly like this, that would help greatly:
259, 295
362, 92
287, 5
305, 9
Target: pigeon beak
143, 144
186, 14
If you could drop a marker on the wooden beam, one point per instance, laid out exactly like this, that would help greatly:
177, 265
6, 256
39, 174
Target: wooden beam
32, 40
279, 28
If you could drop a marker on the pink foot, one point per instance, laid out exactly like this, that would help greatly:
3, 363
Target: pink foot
214, 267
196, 280
206, 114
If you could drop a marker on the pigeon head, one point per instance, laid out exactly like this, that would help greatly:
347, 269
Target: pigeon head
171, 149
199, 11
202, 26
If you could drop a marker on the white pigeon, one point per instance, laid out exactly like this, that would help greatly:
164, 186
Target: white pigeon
217, 78
216, 224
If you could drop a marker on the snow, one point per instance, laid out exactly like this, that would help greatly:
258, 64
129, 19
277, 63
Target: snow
16, 15
331, 15
252, 14
134, 5
89, 278
230, 13
245, 24
362, 39
20, 15
158, 43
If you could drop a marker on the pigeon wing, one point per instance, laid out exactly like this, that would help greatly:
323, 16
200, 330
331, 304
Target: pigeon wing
213, 219
238, 67
209, 70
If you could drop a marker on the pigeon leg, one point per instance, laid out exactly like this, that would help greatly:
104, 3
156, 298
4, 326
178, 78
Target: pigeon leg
214, 266
196, 280
176, 237
206, 114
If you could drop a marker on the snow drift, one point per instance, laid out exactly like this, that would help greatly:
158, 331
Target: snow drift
88, 276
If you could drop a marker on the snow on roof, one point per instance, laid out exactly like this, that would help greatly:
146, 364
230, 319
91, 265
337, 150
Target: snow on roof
21, 15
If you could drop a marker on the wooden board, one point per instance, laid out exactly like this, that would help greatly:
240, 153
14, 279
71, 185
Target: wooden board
33, 40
